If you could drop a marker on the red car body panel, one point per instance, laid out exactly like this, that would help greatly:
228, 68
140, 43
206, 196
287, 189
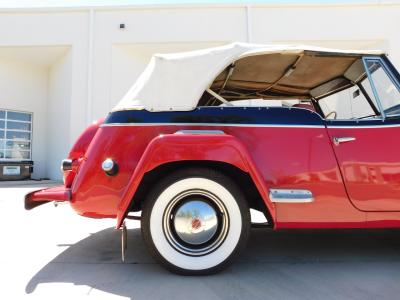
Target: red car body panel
78, 151
370, 166
274, 156
179, 147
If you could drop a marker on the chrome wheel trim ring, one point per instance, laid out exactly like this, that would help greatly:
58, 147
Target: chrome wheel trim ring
212, 242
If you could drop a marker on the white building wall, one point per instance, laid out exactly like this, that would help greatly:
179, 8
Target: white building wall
181, 28
101, 61
59, 113
156, 30
23, 87
348, 26
43, 30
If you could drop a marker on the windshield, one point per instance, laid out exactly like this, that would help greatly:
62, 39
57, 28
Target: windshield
387, 91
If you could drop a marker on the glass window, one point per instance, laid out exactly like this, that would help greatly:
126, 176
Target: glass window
18, 116
387, 91
368, 90
350, 103
18, 125
18, 145
15, 135
17, 154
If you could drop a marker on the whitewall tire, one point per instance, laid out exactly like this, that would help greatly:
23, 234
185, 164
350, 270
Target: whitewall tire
196, 221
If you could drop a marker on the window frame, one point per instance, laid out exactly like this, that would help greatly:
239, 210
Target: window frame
5, 139
392, 77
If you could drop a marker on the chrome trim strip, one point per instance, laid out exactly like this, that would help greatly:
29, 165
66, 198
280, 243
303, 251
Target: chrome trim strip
364, 126
211, 124
359, 126
290, 196
199, 132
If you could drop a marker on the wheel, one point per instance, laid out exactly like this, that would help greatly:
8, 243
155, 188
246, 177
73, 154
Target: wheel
195, 221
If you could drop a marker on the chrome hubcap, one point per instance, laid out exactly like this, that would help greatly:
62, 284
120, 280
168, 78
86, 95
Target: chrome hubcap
195, 222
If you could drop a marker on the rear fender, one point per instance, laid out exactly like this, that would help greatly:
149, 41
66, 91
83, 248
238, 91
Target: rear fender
179, 147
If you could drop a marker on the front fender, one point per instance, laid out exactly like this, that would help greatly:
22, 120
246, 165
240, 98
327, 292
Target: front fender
178, 147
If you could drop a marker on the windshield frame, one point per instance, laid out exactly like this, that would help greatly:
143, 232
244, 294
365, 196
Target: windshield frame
393, 77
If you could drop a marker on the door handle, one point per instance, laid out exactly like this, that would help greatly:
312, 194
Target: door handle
345, 139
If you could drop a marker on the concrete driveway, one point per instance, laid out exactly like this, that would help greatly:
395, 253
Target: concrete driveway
53, 253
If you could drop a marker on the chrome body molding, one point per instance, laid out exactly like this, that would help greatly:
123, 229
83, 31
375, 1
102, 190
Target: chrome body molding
330, 126
213, 124
360, 126
199, 132
290, 196
340, 140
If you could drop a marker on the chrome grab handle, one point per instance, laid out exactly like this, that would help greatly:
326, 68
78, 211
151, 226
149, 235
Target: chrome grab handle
345, 139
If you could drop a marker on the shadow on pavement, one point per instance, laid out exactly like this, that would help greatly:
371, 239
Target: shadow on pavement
309, 264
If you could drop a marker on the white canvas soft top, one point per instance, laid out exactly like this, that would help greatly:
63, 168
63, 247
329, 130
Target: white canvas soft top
177, 81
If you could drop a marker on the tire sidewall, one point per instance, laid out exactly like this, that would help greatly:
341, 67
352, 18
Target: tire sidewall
236, 207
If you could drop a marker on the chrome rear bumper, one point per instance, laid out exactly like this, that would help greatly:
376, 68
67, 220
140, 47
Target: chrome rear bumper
36, 198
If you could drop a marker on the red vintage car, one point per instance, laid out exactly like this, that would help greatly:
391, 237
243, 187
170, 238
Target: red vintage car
305, 135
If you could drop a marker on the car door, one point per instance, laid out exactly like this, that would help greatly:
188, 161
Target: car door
367, 145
